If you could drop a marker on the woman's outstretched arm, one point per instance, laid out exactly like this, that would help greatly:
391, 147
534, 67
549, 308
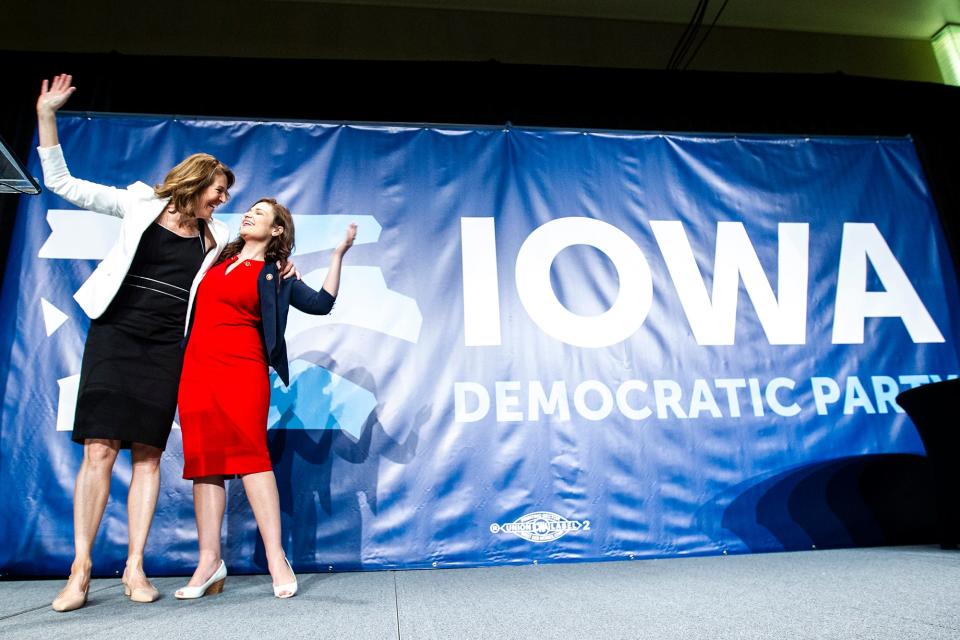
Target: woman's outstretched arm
56, 175
321, 302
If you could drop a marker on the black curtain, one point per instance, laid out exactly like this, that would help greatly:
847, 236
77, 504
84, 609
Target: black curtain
494, 93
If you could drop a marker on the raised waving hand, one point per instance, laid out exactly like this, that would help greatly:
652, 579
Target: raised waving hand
53, 95
332, 282
344, 246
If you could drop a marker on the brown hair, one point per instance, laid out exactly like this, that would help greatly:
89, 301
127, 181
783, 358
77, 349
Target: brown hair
280, 246
187, 180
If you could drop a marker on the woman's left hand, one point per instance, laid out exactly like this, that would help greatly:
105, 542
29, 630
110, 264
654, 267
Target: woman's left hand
347, 242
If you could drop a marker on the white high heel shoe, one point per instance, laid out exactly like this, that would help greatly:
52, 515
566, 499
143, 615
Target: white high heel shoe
212, 586
290, 588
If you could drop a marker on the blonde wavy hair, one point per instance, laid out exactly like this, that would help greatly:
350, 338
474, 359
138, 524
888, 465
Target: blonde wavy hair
186, 181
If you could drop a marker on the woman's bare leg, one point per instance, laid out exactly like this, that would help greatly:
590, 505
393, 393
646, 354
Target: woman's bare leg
209, 501
141, 504
264, 499
89, 501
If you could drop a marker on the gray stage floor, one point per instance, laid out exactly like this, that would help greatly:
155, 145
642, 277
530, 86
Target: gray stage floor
897, 593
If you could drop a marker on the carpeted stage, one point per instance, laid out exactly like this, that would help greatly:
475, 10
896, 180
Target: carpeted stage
893, 592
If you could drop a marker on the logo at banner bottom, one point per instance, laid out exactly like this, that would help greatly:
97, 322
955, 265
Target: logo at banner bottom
541, 526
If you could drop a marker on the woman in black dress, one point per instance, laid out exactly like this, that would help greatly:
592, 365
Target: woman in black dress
138, 300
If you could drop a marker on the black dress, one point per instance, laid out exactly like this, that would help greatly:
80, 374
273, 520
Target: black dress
132, 358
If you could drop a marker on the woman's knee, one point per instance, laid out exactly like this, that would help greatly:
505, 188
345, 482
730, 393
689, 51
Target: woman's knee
100, 452
145, 456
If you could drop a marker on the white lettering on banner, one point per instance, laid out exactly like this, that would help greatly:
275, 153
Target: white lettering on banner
481, 302
614, 325
596, 401
826, 391
731, 385
580, 400
863, 242
771, 395
506, 411
625, 408
916, 380
556, 403
712, 316
478, 391
667, 394
885, 391
757, 402
856, 397
703, 400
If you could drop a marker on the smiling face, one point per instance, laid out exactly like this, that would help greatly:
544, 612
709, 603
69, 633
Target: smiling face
258, 223
211, 197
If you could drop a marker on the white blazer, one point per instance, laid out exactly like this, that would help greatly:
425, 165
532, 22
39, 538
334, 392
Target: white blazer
138, 207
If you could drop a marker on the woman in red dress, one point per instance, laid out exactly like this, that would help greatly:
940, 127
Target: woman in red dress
237, 334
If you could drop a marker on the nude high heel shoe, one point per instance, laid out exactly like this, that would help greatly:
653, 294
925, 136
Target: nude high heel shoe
212, 586
141, 594
70, 601
290, 589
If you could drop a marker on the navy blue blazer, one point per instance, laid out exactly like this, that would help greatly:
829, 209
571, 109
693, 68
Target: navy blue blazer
276, 295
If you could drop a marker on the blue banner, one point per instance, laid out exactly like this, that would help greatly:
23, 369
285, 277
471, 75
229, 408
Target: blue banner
549, 345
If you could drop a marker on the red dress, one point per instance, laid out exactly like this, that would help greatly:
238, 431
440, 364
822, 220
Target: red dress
225, 385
